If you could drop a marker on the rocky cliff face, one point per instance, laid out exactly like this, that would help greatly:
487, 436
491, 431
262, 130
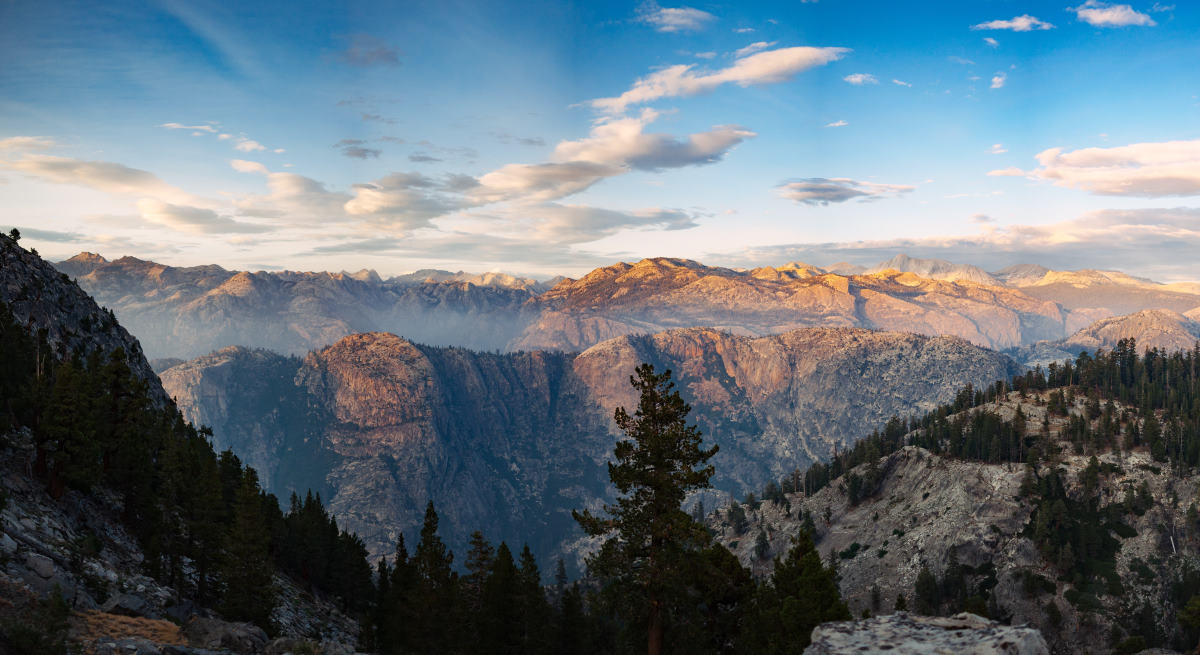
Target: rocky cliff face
43, 299
183, 312
932, 510
511, 443
1158, 328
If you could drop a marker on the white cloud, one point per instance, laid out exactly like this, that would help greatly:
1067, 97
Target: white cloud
196, 220
960, 60
859, 79
901, 83
743, 30
624, 142
838, 123
823, 191
248, 145
990, 41
1149, 170
674, 19
705, 55
1024, 23
26, 143
400, 201
1103, 14
547, 181
109, 177
998, 80
243, 166
203, 128
753, 48
998, 149
683, 80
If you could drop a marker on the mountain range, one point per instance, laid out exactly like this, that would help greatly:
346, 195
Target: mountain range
511, 443
184, 312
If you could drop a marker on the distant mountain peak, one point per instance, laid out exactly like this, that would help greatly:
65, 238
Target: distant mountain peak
936, 269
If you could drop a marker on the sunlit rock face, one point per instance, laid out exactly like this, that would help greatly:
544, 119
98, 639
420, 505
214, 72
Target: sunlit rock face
187, 311
510, 443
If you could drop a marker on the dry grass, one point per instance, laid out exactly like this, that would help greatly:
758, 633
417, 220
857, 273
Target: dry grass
93, 624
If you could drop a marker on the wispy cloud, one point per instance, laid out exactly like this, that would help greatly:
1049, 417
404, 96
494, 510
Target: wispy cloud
838, 123
859, 79
998, 80
991, 42
753, 48
766, 67
824, 191
202, 128
1148, 170
1103, 14
1023, 23
998, 149
674, 19
901, 83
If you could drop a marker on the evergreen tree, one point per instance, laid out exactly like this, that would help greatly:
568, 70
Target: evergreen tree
247, 571
435, 592
801, 593
650, 538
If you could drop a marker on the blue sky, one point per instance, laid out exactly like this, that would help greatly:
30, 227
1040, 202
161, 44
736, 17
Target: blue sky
547, 138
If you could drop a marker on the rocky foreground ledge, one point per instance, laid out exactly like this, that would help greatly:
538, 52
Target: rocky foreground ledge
905, 634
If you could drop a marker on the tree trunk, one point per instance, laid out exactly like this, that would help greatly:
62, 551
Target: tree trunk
654, 644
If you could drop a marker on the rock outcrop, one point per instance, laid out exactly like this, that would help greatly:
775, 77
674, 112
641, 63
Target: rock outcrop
931, 510
42, 298
510, 443
905, 634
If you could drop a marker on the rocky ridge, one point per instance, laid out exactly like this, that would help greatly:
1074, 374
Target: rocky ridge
185, 312
35, 292
932, 510
510, 443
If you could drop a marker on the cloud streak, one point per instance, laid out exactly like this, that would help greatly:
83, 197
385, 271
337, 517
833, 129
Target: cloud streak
1023, 23
767, 67
1147, 170
674, 19
824, 191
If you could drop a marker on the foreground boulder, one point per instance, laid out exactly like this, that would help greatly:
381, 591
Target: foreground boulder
905, 634
214, 634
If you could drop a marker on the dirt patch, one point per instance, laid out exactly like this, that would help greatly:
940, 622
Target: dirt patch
93, 624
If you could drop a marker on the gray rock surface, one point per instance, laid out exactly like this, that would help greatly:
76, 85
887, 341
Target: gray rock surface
241, 638
905, 634
510, 443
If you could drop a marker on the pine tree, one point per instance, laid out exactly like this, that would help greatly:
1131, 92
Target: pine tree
479, 562
247, 570
650, 537
535, 611
501, 628
436, 590
802, 593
